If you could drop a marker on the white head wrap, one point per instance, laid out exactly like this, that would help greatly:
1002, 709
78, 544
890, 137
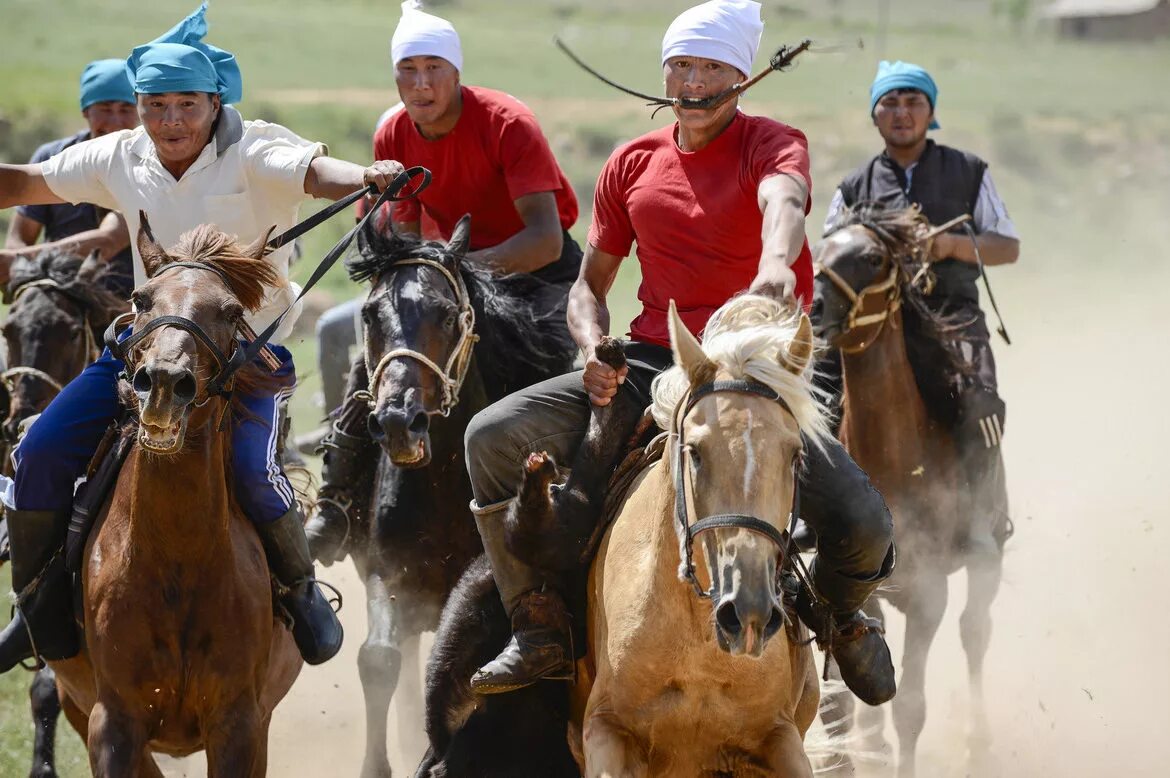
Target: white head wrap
419, 34
724, 30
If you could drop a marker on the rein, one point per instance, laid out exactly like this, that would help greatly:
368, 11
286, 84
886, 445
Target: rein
458, 363
783, 57
721, 520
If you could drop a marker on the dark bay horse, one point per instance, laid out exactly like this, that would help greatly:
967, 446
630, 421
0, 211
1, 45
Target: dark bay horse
869, 299
58, 304
183, 649
443, 340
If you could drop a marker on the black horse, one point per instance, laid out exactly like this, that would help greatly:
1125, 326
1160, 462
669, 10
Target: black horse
59, 304
443, 339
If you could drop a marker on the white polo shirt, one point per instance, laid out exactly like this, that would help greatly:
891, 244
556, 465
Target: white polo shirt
250, 177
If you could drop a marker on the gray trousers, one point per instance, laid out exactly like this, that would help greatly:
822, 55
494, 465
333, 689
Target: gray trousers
338, 333
852, 522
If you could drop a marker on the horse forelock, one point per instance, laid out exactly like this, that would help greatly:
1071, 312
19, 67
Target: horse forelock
248, 277
747, 338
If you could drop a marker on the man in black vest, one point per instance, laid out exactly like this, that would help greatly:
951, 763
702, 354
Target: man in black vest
945, 183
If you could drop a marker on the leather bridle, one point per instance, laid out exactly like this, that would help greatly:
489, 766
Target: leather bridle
889, 288
742, 521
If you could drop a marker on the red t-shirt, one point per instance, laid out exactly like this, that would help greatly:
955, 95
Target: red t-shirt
495, 154
696, 217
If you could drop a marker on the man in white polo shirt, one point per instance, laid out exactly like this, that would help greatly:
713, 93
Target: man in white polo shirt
193, 161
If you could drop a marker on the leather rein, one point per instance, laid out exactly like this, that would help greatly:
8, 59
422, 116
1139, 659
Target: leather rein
716, 521
454, 372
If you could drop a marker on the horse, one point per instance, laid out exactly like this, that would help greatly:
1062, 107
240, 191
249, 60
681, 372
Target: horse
183, 649
868, 298
670, 684
57, 304
443, 339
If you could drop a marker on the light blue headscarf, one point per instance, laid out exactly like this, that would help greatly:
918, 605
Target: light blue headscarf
103, 80
179, 61
903, 75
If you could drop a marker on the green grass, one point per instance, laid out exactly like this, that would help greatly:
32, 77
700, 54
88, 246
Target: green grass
1077, 135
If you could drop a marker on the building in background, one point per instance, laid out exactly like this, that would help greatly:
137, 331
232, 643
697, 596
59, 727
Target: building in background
1110, 20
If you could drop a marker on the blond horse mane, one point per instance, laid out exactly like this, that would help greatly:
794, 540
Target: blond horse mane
748, 337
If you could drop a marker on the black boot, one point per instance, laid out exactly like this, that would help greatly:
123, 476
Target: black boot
855, 641
315, 628
541, 647
42, 623
347, 472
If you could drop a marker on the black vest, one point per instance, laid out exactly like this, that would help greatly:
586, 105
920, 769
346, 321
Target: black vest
945, 184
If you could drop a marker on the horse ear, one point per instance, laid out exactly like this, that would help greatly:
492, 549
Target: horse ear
258, 249
90, 267
688, 354
460, 237
153, 255
795, 359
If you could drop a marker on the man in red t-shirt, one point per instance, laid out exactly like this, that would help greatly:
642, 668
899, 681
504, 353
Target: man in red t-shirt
490, 160
716, 203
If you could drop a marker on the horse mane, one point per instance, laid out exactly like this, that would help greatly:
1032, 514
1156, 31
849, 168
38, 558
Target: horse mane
249, 277
746, 337
520, 319
898, 230
62, 267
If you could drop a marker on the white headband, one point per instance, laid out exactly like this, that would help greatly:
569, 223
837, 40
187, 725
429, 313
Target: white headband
724, 30
420, 34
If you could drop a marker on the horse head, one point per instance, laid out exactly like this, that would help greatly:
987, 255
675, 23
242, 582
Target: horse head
862, 267
419, 335
185, 322
742, 402
56, 300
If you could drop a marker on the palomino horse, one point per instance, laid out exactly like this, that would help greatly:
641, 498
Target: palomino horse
683, 686
58, 303
183, 649
442, 341
868, 273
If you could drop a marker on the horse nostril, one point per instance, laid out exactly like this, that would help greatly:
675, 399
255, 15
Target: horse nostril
774, 623
420, 423
142, 382
728, 619
185, 388
375, 428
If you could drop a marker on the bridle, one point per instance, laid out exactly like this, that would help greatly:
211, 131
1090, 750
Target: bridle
888, 288
743, 521
222, 383
454, 372
10, 376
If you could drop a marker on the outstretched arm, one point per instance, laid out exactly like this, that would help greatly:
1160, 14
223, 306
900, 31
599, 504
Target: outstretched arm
24, 185
993, 247
333, 179
781, 200
109, 238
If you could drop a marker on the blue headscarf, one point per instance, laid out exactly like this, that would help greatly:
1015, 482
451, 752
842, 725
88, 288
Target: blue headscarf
179, 61
105, 79
902, 75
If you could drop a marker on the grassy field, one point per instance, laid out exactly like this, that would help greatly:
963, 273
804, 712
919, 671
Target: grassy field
1078, 135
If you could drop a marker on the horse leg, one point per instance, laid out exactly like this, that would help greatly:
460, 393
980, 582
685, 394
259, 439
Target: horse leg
412, 740
926, 600
235, 744
785, 753
983, 577
116, 742
379, 664
837, 710
611, 752
46, 707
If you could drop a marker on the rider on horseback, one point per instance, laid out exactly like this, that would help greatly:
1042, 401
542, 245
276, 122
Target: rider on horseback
945, 183
107, 103
716, 203
194, 161
520, 202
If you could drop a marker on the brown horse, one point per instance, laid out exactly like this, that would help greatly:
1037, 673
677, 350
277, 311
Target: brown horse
183, 650
870, 272
683, 686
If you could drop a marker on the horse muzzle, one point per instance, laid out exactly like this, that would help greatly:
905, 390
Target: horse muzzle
165, 394
404, 434
748, 616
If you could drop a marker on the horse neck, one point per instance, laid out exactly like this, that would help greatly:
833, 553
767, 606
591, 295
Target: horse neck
180, 506
884, 422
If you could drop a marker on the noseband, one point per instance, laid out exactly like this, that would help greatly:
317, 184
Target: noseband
721, 520
453, 374
889, 288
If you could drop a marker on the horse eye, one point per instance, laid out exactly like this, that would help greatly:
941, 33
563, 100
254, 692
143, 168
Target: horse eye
140, 301
696, 459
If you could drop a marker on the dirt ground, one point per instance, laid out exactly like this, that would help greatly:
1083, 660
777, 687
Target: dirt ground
1076, 676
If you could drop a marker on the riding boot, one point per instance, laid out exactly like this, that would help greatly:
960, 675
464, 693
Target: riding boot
347, 470
315, 627
541, 646
42, 623
843, 630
